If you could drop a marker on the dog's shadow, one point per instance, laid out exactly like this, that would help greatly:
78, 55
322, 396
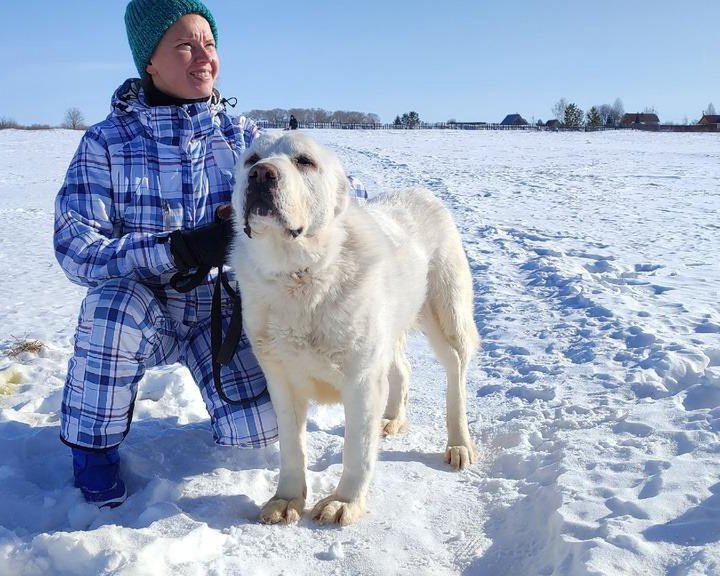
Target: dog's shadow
432, 460
333, 454
220, 511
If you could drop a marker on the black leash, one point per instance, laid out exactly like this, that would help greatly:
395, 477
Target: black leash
222, 351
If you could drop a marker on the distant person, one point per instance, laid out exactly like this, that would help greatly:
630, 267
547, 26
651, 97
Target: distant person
293, 122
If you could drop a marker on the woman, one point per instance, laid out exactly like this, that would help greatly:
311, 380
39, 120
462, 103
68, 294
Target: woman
137, 207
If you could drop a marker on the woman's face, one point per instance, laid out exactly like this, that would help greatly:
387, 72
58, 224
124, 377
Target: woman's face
185, 63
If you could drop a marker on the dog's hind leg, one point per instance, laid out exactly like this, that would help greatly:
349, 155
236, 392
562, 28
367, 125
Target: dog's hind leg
395, 417
447, 321
460, 450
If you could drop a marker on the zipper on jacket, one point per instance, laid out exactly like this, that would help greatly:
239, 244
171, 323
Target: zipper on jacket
172, 218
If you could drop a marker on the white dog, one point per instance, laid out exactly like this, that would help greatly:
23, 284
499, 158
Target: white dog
329, 290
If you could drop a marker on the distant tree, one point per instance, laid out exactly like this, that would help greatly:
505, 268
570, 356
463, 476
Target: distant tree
364, 118
610, 114
344, 117
312, 115
685, 120
410, 119
573, 116
322, 115
309, 115
278, 115
616, 114
74, 119
8, 123
594, 118
353, 117
710, 110
407, 120
255, 114
605, 111
649, 110
451, 121
558, 109
540, 123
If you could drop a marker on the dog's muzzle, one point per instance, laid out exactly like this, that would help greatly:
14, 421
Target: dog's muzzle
260, 199
262, 184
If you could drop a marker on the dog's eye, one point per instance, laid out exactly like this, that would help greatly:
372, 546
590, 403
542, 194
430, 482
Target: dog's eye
304, 161
252, 160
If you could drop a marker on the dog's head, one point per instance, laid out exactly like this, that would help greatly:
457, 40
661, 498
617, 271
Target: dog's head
289, 190
288, 184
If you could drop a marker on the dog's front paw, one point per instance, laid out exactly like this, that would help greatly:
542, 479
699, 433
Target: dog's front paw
330, 510
278, 510
460, 457
392, 426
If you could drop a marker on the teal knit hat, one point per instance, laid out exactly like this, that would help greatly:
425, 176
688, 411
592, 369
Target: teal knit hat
147, 20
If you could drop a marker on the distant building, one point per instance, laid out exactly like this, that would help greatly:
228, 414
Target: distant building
553, 124
710, 119
637, 118
513, 120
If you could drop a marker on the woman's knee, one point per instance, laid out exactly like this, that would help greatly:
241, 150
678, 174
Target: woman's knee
120, 300
121, 317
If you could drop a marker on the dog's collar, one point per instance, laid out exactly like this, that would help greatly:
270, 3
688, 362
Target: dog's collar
296, 275
300, 274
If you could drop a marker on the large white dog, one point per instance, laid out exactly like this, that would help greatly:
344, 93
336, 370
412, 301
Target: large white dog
330, 290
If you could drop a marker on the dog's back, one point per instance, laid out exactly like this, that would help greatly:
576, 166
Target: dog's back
417, 228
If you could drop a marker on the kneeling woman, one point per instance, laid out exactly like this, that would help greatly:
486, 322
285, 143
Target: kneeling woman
138, 206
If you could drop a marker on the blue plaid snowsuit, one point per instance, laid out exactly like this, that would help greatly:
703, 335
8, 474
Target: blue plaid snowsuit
136, 176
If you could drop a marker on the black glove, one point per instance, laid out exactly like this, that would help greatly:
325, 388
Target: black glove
202, 247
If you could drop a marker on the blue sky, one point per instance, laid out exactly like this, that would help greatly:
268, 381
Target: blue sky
466, 60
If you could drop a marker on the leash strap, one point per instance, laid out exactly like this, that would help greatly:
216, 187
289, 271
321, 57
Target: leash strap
184, 281
229, 345
223, 351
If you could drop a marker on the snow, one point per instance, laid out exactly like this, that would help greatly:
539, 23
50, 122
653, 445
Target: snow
595, 399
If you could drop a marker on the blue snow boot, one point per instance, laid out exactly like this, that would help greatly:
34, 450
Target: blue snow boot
97, 476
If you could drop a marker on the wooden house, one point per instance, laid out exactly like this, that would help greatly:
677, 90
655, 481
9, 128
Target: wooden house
638, 118
514, 120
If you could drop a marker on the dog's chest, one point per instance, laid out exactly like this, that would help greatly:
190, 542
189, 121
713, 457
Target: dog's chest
310, 358
300, 329
299, 321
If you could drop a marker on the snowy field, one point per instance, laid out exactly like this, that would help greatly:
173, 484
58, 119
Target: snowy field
594, 400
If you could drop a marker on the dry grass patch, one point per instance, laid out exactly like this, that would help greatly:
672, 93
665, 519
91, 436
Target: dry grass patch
20, 346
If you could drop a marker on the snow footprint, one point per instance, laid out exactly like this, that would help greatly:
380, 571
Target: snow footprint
638, 429
546, 393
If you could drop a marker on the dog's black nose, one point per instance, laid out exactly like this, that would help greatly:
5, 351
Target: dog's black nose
263, 174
